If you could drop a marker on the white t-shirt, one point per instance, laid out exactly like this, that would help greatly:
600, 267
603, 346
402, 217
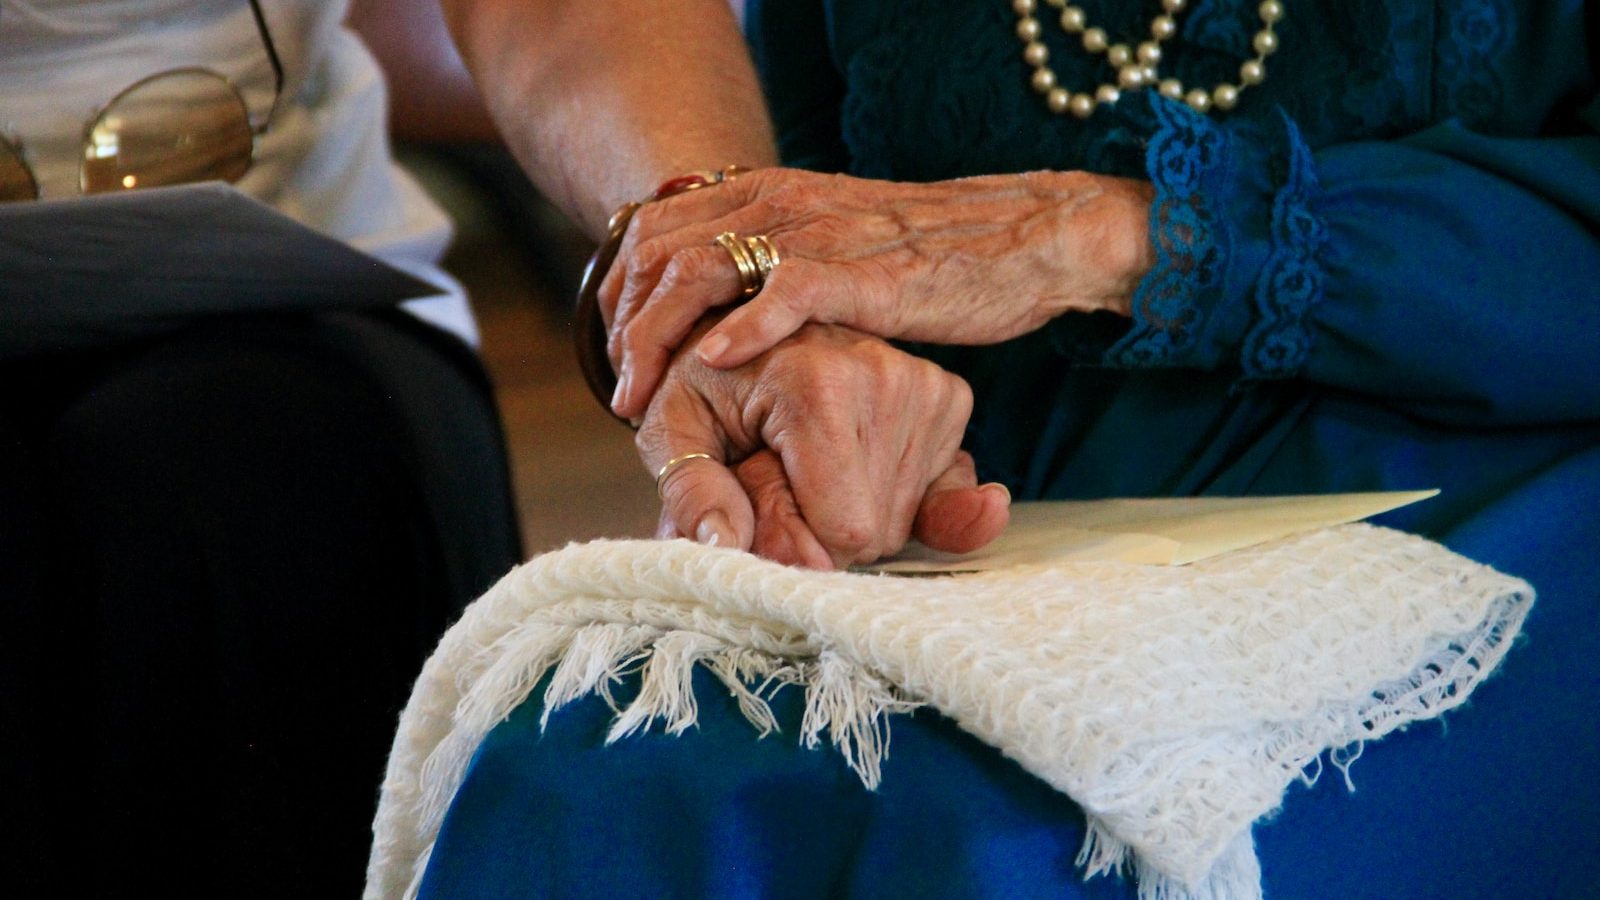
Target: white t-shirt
325, 158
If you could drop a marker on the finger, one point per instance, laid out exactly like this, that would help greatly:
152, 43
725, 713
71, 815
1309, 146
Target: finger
700, 497
654, 220
798, 291
642, 343
645, 264
666, 529
932, 445
781, 534
959, 516
827, 468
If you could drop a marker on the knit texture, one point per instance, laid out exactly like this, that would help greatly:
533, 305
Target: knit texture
1173, 704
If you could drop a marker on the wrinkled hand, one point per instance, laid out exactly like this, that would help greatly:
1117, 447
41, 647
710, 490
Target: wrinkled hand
841, 446
970, 261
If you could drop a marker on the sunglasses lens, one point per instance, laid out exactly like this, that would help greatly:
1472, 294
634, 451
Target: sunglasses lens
16, 180
174, 128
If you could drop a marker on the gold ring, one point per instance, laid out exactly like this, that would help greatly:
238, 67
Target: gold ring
749, 273
673, 463
765, 253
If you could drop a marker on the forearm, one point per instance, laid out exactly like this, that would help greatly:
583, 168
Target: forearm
602, 100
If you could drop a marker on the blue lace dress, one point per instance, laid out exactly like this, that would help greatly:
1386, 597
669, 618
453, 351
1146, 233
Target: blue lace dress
1381, 271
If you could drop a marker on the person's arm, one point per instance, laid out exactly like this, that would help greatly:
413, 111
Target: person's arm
602, 100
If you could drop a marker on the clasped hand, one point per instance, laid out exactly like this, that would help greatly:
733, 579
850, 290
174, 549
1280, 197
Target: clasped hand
842, 446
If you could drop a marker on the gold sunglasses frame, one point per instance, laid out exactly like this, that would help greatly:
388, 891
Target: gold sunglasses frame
13, 148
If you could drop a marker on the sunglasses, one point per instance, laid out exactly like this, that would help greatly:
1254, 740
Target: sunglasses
174, 127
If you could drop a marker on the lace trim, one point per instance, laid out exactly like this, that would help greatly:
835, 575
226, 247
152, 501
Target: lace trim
1480, 32
1187, 155
1292, 280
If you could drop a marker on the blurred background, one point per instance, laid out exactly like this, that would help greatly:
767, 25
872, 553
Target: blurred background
573, 467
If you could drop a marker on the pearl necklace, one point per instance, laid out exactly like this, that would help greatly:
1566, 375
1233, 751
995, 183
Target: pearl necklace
1136, 68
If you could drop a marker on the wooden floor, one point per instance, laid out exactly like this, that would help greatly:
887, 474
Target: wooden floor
574, 469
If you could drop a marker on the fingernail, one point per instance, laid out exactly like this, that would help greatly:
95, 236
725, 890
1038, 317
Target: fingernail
619, 393
714, 530
713, 347
997, 488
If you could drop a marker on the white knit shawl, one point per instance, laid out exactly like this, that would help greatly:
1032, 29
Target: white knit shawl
1174, 704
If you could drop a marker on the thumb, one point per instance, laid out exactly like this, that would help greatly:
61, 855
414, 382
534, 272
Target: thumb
957, 515
700, 498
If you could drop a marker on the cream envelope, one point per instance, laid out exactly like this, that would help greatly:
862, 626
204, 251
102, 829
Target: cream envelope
1162, 532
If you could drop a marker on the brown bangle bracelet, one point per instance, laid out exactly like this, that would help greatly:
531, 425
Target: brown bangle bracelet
589, 330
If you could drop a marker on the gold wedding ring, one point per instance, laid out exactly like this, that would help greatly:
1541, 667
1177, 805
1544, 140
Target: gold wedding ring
673, 463
765, 253
755, 256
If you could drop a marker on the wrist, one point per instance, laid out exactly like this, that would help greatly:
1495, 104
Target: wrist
1126, 253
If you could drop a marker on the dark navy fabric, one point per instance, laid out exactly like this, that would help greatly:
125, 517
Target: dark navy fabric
1381, 271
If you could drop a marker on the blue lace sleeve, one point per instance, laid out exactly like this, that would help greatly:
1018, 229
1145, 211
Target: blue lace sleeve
1451, 274
1237, 238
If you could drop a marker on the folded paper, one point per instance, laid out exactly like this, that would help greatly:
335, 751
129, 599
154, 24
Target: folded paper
1158, 532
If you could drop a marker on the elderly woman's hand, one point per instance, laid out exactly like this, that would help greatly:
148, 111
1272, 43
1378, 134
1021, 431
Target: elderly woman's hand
844, 447
971, 261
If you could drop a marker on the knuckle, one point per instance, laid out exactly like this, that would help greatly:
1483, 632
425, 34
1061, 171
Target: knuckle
649, 256
961, 396
848, 538
787, 198
680, 269
636, 334
645, 223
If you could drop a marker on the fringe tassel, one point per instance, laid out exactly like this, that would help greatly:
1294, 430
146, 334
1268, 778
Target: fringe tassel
597, 658
1101, 854
1236, 875
852, 705
738, 669
666, 689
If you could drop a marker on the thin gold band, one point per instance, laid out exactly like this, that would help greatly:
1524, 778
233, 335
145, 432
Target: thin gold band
673, 463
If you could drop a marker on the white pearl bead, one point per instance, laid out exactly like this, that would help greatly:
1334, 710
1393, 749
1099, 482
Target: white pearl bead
1082, 105
1198, 100
1035, 54
1107, 94
1057, 100
1023, 7
1149, 53
1163, 27
1028, 29
1043, 80
1150, 75
1270, 11
1172, 89
1266, 43
1130, 77
1225, 96
1173, 6
1252, 72
1073, 20
1118, 55
1094, 40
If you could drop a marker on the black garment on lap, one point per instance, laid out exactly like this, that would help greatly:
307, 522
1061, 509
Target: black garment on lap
224, 555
